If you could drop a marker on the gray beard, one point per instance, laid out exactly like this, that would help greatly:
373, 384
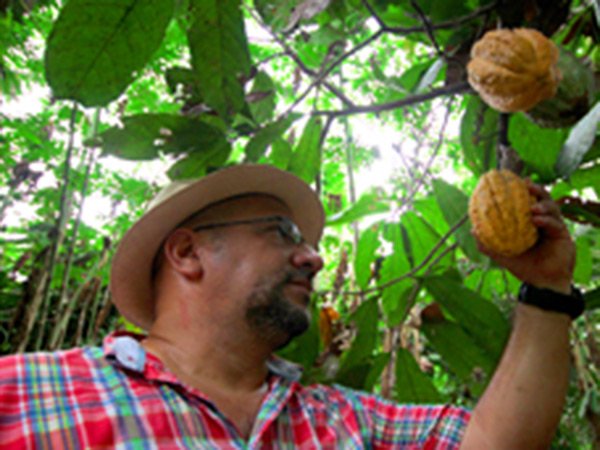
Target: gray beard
273, 316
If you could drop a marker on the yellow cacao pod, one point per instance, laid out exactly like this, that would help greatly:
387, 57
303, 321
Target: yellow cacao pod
514, 70
500, 212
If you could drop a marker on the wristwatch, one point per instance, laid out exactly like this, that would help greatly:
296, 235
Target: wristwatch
549, 300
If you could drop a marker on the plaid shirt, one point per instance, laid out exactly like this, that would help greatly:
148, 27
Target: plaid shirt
124, 398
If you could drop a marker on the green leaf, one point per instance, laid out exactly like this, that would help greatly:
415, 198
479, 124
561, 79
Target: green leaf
145, 136
419, 241
187, 79
478, 135
412, 385
588, 177
257, 146
306, 160
394, 298
281, 153
365, 256
197, 164
454, 205
377, 366
592, 299
412, 77
480, 318
584, 261
580, 140
261, 99
305, 348
459, 351
95, 49
537, 147
136, 139
431, 75
220, 55
365, 318
366, 205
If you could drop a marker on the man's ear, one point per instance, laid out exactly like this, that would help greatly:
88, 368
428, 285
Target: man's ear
183, 253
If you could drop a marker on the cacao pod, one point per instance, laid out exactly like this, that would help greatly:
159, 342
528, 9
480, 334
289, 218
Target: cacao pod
573, 98
513, 70
500, 212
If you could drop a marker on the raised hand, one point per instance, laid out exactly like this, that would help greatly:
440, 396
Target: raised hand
551, 261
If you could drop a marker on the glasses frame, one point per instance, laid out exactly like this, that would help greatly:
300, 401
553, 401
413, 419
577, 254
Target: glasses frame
286, 226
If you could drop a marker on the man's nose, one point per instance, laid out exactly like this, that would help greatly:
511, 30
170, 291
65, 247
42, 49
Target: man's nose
307, 257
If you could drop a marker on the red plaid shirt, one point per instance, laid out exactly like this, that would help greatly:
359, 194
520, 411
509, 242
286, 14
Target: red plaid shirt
125, 398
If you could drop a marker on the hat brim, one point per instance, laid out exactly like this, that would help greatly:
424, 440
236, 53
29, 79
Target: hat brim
131, 279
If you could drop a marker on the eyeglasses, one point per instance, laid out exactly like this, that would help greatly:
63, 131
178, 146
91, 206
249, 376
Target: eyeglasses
286, 228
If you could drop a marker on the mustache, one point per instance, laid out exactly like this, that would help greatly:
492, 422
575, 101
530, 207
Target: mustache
293, 275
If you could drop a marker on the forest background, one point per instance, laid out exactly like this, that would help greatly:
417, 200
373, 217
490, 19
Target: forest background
103, 102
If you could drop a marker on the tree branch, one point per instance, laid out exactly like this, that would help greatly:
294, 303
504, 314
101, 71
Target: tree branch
287, 50
447, 24
415, 269
411, 100
428, 29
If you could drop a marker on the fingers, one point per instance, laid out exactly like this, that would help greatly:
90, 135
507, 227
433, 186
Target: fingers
537, 190
552, 226
546, 207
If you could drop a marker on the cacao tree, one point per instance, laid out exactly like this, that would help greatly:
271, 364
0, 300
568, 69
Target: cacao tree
367, 100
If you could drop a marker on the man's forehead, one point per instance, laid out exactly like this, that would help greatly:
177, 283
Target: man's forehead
241, 207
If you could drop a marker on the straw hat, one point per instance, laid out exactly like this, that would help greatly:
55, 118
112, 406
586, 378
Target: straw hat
131, 283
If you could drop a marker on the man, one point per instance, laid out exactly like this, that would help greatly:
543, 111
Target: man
219, 272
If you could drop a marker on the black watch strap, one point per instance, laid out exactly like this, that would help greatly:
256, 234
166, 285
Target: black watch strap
550, 300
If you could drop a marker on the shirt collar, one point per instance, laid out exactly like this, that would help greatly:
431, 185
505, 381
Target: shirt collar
124, 349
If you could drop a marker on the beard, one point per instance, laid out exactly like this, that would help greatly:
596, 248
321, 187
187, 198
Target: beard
275, 317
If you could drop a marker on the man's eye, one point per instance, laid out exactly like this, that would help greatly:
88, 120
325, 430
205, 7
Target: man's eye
283, 232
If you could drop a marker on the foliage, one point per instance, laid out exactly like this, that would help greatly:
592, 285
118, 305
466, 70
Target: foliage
306, 86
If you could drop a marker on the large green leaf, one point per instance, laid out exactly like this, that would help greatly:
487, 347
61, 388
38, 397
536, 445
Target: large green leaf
537, 147
305, 348
480, 318
578, 143
478, 135
144, 136
220, 55
197, 164
588, 177
367, 204
378, 364
366, 319
281, 153
306, 160
454, 205
459, 351
412, 385
261, 99
136, 139
257, 146
592, 299
394, 300
584, 261
420, 240
365, 256
96, 48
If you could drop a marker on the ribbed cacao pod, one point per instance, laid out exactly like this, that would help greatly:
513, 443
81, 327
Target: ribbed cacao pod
513, 70
500, 213
573, 98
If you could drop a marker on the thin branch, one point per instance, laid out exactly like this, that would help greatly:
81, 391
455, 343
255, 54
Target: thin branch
428, 29
447, 24
61, 226
287, 50
429, 163
411, 100
422, 264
